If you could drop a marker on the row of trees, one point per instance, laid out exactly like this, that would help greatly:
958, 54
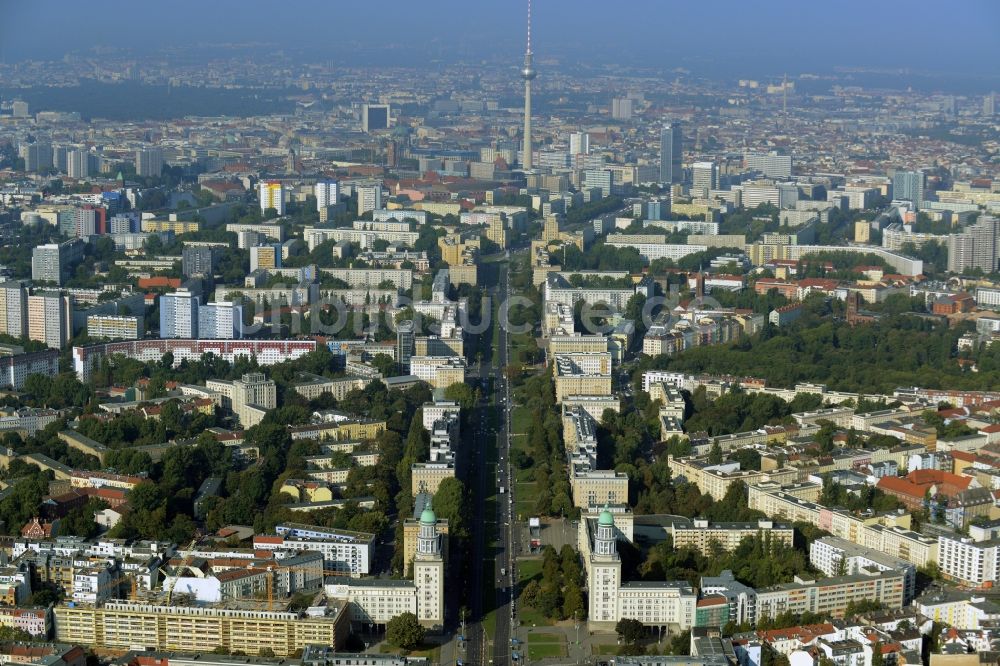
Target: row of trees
545, 461
559, 593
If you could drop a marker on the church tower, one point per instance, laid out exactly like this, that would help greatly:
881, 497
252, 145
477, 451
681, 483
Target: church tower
605, 571
428, 571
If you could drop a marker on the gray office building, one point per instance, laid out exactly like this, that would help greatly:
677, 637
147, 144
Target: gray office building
405, 341
976, 247
771, 164
149, 162
37, 156
908, 186
52, 262
198, 261
374, 117
602, 179
671, 149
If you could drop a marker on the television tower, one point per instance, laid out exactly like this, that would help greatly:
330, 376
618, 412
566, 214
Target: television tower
527, 73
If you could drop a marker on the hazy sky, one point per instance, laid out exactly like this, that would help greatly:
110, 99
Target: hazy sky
742, 38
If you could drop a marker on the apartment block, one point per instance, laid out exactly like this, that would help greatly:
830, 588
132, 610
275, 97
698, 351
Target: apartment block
124, 625
344, 551
13, 309
115, 327
969, 563
311, 386
50, 319
704, 536
831, 596
438, 371
839, 557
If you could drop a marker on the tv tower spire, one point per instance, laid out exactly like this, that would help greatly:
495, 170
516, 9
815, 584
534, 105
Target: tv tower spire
527, 73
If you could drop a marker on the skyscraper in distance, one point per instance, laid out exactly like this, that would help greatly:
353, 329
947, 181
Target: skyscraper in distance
179, 315
272, 195
579, 143
621, 108
772, 164
149, 162
528, 74
374, 117
670, 153
78, 164
50, 319
976, 247
327, 193
705, 177
908, 186
13, 309
369, 197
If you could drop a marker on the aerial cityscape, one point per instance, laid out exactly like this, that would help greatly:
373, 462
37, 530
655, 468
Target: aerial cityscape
469, 334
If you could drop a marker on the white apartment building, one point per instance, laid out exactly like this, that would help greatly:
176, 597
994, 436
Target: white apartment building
220, 321
399, 214
369, 197
970, 563
327, 193
559, 288
839, 557
438, 371
371, 278
179, 315
345, 552
13, 309
651, 250
587, 363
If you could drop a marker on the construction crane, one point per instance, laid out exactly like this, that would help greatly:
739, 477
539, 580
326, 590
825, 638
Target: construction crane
185, 565
171, 581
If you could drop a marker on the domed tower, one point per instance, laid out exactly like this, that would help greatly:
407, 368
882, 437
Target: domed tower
428, 541
604, 541
605, 573
428, 571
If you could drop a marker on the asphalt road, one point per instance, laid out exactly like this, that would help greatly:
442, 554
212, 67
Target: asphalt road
506, 548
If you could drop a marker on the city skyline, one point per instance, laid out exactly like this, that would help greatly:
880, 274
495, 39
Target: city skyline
753, 40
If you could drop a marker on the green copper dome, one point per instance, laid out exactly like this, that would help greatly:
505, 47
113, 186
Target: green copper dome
606, 518
428, 517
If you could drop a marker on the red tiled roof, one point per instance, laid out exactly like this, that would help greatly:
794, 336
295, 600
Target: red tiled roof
804, 633
268, 539
896, 485
935, 476
158, 281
